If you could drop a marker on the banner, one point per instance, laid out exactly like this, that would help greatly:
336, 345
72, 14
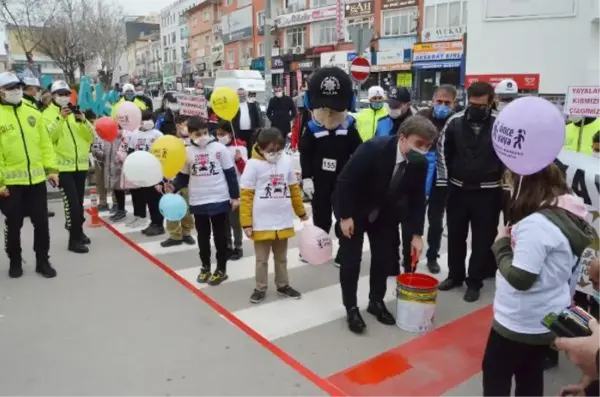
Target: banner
192, 105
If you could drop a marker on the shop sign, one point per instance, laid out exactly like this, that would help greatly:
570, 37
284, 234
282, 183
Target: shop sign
306, 65
322, 49
404, 80
259, 64
529, 82
305, 16
359, 9
395, 4
337, 58
394, 56
443, 34
438, 52
391, 67
237, 25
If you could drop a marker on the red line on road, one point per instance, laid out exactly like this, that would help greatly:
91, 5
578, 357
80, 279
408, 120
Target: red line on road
318, 381
428, 365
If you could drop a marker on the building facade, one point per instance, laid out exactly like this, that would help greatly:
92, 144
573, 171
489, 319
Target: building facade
17, 60
205, 43
147, 60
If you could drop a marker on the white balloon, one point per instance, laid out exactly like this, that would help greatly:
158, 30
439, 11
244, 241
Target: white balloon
142, 169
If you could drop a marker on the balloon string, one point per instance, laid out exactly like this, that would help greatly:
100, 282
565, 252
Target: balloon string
232, 130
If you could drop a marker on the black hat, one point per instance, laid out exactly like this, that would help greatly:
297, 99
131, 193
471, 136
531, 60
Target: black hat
398, 95
330, 87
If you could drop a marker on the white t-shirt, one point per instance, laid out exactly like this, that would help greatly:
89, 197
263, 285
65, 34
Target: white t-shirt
272, 206
539, 247
205, 167
142, 140
245, 123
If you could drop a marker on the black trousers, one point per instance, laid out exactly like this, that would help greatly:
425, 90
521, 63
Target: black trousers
120, 197
248, 137
21, 201
321, 202
72, 187
436, 207
147, 196
504, 359
350, 256
479, 209
218, 223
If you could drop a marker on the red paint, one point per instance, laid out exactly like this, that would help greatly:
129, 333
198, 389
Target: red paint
321, 383
417, 280
429, 365
530, 82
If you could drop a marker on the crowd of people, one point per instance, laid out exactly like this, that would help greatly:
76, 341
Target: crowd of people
386, 166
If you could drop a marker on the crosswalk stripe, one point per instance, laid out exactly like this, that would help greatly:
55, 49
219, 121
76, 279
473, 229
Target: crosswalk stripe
244, 269
284, 317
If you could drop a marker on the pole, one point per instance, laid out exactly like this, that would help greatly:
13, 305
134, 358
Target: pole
268, 54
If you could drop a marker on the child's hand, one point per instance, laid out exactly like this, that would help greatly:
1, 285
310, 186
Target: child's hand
248, 232
159, 188
169, 188
235, 204
304, 218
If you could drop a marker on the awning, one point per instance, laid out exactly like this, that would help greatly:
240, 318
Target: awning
436, 65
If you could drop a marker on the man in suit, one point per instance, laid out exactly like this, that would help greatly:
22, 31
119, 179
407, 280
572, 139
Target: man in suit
247, 120
382, 185
281, 111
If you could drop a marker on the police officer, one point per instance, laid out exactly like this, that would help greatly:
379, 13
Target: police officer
506, 92
26, 162
329, 140
374, 121
72, 136
129, 94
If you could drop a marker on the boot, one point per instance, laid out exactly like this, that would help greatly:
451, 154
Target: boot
16, 268
78, 247
44, 268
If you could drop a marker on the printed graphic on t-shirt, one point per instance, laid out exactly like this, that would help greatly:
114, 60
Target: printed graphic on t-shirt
276, 188
203, 166
142, 144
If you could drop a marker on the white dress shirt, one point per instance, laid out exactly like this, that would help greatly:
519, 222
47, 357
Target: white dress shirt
245, 123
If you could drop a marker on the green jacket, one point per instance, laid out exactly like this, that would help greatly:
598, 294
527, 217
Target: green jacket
71, 139
26, 155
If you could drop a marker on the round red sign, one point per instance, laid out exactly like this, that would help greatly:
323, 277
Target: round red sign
360, 68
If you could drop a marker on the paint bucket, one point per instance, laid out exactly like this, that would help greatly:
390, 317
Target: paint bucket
416, 294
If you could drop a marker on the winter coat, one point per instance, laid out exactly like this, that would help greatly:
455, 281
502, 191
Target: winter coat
107, 155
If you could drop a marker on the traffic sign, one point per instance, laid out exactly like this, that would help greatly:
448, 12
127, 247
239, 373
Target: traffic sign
359, 69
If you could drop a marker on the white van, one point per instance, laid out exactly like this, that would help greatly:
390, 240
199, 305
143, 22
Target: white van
249, 80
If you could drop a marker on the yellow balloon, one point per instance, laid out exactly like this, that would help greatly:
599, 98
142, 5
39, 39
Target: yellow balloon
225, 102
170, 151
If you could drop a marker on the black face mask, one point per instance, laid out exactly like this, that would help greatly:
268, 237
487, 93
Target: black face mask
477, 114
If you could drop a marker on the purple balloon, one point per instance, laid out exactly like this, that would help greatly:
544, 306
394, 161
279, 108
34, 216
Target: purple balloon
528, 135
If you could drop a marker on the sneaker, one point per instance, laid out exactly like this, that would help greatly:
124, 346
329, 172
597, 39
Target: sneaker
203, 276
153, 230
170, 242
189, 240
433, 267
118, 216
16, 269
289, 292
472, 295
45, 269
257, 296
302, 259
86, 240
103, 208
217, 278
136, 222
236, 254
113, 209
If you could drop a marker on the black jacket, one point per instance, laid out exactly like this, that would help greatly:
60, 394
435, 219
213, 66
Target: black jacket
397, 122
364, 185
466, 156
318, 144
165, 121
255, 119
147, 101
281, 112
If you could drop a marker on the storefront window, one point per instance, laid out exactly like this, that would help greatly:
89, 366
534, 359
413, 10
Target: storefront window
446, 14
442, 15
294, 37
400, 22
323, 33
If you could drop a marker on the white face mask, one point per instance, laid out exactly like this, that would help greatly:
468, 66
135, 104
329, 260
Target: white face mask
395, 113
202, 141
273, 157
139, 93
174, 107
279, 94
251, 100
38, 96
225, 140
147, 125
62, 101
13, 97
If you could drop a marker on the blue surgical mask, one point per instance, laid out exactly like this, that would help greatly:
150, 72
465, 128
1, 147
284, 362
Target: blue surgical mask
129, 97
441, 112
376, 105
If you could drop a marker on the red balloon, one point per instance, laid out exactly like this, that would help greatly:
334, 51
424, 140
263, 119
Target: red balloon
107, 128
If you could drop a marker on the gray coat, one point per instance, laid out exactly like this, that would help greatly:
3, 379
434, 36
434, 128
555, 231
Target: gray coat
106, 154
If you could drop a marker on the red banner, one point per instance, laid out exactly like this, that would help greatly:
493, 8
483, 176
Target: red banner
529, 82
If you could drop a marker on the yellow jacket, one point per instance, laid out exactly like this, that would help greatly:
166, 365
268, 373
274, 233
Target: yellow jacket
72, 140
137, 102
26, 154
247, 203
572, 136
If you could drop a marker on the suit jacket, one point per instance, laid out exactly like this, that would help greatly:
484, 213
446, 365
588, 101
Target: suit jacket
364, 185
255, 119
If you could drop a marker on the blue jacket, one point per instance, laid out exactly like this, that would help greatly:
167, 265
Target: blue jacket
431, 159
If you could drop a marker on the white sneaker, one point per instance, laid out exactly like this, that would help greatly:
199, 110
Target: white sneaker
136, 222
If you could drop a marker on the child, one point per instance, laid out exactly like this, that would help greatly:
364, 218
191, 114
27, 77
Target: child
180, 231
142, 139
108, 155
269, 195
209, 175
239, 153
538, 267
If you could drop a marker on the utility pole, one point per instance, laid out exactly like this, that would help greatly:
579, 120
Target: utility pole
268, 52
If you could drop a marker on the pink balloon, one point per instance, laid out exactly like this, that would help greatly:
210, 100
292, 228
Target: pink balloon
316, 246
129, 116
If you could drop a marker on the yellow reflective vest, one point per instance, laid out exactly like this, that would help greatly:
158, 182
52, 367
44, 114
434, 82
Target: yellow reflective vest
26, 154
137, 102
572, 136
72, 139
371, 123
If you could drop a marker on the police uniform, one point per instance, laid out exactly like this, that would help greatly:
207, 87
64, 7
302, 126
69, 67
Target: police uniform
26, 160
72, 140
323, 153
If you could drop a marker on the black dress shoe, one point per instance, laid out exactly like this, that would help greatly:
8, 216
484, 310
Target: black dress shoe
45, 269
471, 295
15, 270
381, 313
433, 267
448, 284
78, 248
355, 321
85, 239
